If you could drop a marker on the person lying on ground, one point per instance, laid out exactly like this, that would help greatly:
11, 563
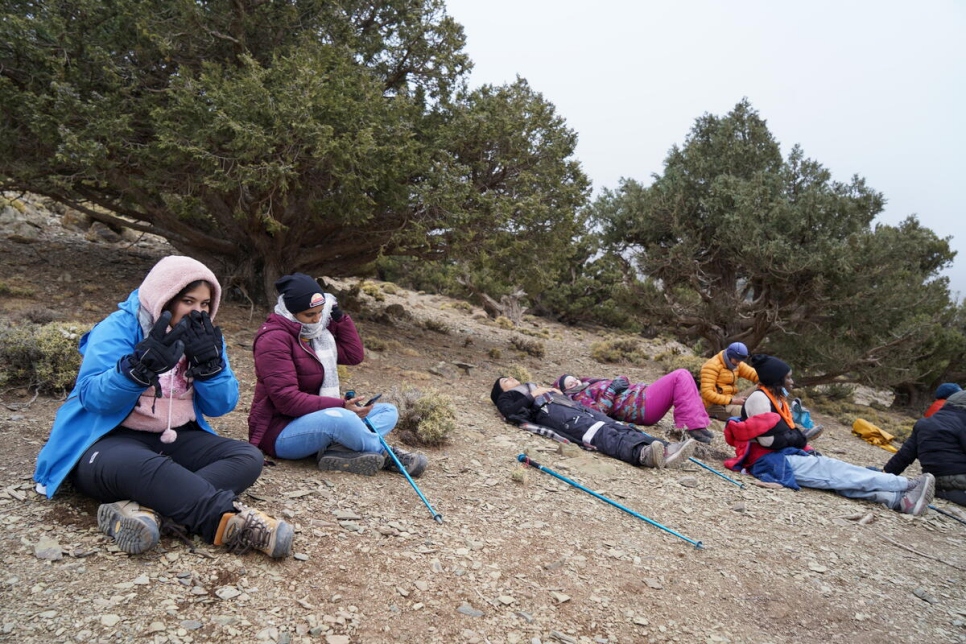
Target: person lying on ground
297, 409
787, 460
939, 442
943, 392
522, 403
642, 404
774, 382
719, 381
133, 434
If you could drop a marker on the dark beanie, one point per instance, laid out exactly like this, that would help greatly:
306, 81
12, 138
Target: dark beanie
771, 371
559, 382
497, 390
947, 389
299, 292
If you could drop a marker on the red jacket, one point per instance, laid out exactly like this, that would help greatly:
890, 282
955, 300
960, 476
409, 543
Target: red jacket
289, 376
741, 435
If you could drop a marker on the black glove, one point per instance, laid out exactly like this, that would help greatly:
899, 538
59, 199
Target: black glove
202, 346
618, 385
335, 313
157, 353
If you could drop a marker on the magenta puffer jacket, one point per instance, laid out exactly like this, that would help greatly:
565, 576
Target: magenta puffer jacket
289, 374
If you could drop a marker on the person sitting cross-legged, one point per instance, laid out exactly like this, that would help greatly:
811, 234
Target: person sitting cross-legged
939, 443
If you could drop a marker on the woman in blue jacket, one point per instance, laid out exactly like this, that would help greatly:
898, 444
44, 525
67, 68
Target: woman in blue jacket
133, 435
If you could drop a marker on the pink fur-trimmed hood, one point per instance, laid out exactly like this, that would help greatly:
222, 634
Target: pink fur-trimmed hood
168, 277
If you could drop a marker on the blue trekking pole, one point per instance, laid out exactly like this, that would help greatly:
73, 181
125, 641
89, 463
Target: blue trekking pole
948, 514
523, 458
714, 471
694, 460
399, 466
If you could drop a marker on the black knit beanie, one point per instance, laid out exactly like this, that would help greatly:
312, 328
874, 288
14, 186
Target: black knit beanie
497, 390
771, 371
300, 292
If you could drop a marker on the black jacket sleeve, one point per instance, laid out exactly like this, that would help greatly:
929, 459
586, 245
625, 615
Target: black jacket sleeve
906, 454
514, 406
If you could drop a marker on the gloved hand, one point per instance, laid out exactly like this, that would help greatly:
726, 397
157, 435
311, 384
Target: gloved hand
157, 353
618, 385
202, 346
335, 313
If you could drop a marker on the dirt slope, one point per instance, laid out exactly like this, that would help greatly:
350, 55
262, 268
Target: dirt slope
536, 561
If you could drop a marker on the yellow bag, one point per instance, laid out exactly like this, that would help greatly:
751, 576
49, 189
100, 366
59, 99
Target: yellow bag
874, 435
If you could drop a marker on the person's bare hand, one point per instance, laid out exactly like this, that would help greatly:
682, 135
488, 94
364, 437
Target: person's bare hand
539, 391
738, 400
355, 406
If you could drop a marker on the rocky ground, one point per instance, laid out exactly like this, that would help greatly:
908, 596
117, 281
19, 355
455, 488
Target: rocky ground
518, 558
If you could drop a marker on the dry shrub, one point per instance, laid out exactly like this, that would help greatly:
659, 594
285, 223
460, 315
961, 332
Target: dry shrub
672, 361
44, 357
436, 326
495, 353
504, 322
424, 418
618, 350
390, 288
376, 344
373, 291
520, 373
533, 348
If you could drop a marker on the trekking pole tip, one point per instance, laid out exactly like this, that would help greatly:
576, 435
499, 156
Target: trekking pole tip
699, 545
438, 518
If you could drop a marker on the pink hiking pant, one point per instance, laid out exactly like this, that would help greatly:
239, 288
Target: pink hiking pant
676, 389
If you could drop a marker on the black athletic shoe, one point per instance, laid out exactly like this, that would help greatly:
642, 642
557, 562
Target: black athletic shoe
701, 435
414, 462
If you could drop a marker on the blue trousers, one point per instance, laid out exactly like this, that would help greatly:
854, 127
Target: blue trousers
192, 481
313, 433
848, 480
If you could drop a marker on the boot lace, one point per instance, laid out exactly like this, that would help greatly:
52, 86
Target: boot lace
254, 533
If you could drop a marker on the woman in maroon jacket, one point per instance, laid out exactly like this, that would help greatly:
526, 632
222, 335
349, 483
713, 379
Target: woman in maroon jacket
298, 410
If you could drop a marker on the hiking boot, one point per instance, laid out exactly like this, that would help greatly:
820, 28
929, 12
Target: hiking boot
133, 528
652, 455
701, 435
677, 454
339, 459
248, 528
918, 495
414, 462
813, 433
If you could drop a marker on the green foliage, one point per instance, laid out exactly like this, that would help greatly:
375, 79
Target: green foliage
775, 253
424, 418
42, 357
533, 348
672, 360
618, 350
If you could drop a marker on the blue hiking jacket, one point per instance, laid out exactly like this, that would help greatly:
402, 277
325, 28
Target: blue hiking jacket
103, 396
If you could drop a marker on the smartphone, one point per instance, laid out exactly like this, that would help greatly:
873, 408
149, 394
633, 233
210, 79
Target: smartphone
372, 400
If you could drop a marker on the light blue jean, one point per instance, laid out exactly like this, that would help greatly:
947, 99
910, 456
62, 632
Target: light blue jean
313, 433
849, 480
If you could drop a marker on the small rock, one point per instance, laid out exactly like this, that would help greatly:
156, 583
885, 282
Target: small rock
653, 583
191, 624
468, 610
227, 592
816, 567
300, 556
688, 481
739, 507
110, 620
48, 549
506, 600
924, 595
560, 598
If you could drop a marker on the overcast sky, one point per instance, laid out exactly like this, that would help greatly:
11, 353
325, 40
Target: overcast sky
869, 87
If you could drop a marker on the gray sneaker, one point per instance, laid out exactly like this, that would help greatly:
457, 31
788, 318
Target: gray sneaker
702, 435
813, 433
414, 462
337, 458
918, 496
677, 454
652, 455
133, 528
